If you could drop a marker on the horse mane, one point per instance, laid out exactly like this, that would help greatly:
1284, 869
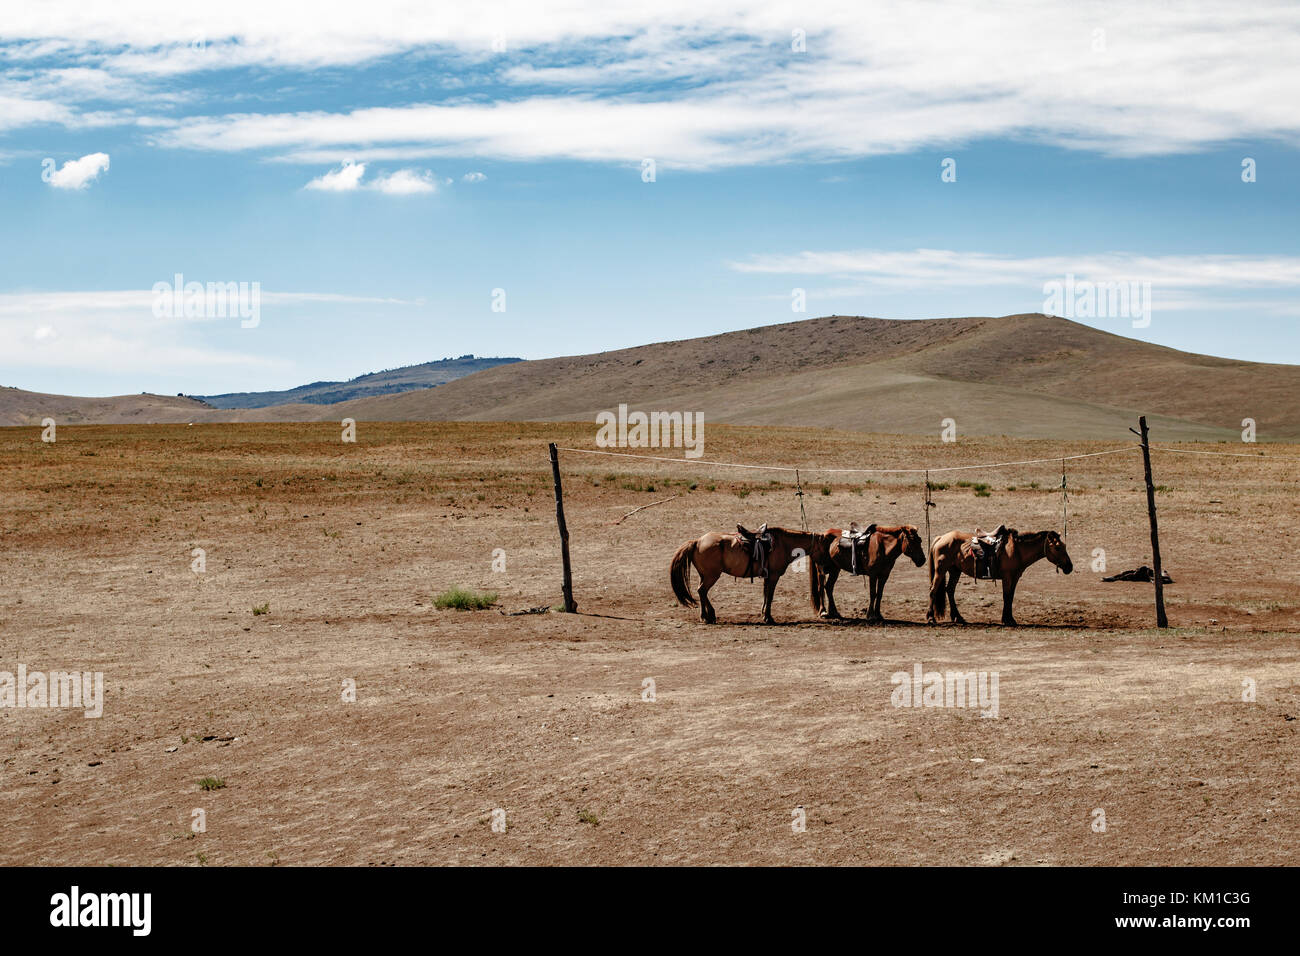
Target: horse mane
1029, 537
775, 530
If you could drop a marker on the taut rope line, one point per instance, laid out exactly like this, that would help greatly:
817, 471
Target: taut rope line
850, 471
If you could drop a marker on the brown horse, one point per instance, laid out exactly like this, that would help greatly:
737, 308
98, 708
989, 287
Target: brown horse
951, 554
883, 548
715, 553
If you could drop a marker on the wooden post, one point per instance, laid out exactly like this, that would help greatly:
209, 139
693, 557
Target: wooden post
1065, 511
567, 586
928, 505
1161, 620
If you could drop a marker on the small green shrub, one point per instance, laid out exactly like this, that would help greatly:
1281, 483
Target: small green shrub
463, 599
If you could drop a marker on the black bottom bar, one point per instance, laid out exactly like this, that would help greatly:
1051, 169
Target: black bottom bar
949, 906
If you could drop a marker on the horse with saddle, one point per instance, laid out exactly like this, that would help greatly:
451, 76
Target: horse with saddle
870, 552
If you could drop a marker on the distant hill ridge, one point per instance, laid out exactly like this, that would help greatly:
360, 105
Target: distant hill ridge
1031, 376
388, 382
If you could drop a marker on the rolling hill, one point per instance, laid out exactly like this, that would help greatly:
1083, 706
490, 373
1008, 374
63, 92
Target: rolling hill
1023, 375
405, 379
18, 407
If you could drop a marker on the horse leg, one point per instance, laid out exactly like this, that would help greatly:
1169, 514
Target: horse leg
707, 581
953, 577
877, 592
769, 589
830, 610
936, 596
1008, 596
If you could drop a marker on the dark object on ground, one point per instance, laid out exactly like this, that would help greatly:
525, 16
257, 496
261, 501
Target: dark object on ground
1141, 574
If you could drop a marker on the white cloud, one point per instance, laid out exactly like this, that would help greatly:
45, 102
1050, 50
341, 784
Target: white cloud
77, 173
26, 110
1179, 282
404, 182
699, 83
344, 179
349, 178
473, 177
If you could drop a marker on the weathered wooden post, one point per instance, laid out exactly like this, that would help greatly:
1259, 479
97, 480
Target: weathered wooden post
1161, 620
567, 586
928, 505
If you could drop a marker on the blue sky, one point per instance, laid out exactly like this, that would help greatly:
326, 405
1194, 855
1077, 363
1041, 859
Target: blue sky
503, 148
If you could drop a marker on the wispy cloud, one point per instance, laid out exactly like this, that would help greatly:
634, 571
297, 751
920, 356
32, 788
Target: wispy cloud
118, 329
696, 85
141, 301
919, 268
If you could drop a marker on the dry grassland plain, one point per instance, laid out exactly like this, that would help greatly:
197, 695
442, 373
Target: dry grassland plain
458, 713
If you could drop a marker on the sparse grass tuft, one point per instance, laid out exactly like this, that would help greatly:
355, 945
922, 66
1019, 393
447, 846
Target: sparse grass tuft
212, 783
260, 609
463, 599
586, 816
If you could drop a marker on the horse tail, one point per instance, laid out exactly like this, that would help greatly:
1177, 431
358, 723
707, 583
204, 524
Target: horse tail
815, 584
681, 574
939, 600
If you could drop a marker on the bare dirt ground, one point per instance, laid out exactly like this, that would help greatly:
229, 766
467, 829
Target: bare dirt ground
462, 712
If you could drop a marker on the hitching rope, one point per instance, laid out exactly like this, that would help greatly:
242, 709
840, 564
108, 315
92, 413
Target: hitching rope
1227, 454
853, 471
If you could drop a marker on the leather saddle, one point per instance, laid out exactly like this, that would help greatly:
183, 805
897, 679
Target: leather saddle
858, 539
986, 548
758, 544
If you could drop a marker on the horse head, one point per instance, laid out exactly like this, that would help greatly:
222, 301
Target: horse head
913, 546
1054, 551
